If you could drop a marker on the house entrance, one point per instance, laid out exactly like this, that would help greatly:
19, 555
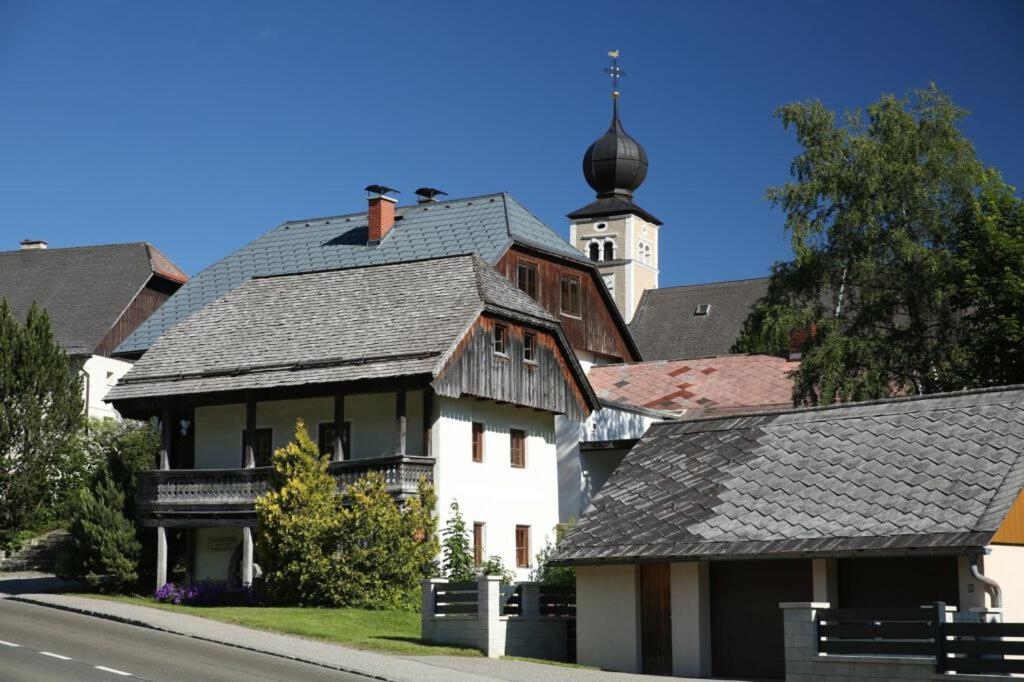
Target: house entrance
655, 619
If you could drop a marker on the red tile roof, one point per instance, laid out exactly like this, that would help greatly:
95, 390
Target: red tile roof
728, 383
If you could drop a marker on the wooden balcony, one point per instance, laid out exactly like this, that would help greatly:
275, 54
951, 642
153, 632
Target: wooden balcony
220, 497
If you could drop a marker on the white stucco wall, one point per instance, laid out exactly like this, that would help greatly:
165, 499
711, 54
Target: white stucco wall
219, 428
690, 595
1005, 565
214, 547
608, 617
493, 492
611, 423
102, 373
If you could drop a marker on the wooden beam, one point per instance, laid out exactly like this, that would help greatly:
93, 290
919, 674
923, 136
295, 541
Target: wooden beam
165, 440
250, 432
400, 397
339, 427
428, 421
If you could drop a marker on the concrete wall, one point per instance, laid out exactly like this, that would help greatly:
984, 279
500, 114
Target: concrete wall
219, 428
1005, 565
608, 617
102, 373
492, 492
213, 551
691, 619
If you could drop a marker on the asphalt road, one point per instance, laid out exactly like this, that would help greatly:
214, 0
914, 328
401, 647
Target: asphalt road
39, 643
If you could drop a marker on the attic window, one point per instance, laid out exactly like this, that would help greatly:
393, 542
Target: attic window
702, 309
530, 347
500, 339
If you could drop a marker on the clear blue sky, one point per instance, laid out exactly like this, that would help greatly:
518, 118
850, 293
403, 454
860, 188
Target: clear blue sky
199, 125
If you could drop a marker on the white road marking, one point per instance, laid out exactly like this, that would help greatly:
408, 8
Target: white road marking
52, 655
112, 670
8, 643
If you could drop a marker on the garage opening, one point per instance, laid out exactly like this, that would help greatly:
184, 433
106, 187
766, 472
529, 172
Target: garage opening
897, 582
746, 621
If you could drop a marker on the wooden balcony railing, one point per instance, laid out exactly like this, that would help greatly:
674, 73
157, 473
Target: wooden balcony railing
233, 492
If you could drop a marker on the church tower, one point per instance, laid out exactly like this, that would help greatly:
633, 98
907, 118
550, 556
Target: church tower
618, 235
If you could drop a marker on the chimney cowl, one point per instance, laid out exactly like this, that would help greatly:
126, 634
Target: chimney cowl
33, 244
428, 195
381, 214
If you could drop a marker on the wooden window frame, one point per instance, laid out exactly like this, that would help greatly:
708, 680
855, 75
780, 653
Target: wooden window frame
327, 445
269, 433
479, 432
479, 538
501, 340
517, 455
530, 267
530, 347
572, 311
522, 548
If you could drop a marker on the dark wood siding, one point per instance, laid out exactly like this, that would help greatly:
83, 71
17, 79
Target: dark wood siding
546, 383
145, 303
595, 330
897, 582
655, 619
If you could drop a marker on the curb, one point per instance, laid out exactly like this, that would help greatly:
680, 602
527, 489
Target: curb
141, 623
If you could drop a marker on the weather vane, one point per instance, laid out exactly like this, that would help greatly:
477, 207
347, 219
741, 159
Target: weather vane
615, 72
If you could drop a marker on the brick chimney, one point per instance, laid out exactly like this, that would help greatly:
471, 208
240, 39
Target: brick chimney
33, 244
798, 339
381, 212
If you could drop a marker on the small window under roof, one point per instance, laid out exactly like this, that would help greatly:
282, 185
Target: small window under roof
702, 309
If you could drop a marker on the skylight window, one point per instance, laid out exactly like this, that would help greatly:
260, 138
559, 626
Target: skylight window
702, 309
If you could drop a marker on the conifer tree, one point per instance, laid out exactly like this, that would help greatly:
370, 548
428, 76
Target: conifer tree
457, 549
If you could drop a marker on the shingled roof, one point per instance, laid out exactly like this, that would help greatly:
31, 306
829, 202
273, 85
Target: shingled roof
485, 225
326, 327
666, 327
84, 289
934, 473
699, 387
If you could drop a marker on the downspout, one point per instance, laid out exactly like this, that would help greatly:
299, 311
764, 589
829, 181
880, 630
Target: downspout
993, 586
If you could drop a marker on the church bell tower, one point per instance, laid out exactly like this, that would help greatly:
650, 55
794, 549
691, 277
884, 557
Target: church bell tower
613, 231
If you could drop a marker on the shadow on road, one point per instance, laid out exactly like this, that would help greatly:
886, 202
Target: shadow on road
28, 583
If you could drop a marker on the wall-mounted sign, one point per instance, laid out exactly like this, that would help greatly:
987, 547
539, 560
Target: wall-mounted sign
220, 543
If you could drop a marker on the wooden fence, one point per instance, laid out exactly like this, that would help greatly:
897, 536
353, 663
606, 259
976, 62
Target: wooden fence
961, 647
456, 599
556, 600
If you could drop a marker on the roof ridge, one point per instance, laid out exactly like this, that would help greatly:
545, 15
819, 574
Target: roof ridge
80, 246
397, 208
899, 400
711, 284
346, 268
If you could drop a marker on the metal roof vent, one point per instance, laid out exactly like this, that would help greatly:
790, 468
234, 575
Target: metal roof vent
33, 244
428, 195
702, 309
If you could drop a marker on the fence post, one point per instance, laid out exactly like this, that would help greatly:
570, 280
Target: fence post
492, 635
428, 606
939, 633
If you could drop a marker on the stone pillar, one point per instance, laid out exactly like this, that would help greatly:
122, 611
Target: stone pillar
492, 627
246, 555
161, 556
800, 633
428, 592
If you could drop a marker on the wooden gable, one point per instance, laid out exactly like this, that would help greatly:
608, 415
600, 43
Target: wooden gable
598, 329
547, 383
1011, 531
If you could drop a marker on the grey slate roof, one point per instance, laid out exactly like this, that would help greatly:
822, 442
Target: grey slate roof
344, 325
484, 225
84, 289
932, 473
665, 327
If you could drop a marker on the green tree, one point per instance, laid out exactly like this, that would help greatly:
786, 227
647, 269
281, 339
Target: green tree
105, 541
386, 548
456, 548
908, 255
41, 417
300, 520
547, 573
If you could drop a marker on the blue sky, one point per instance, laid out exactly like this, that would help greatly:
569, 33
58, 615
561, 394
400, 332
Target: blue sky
199, 125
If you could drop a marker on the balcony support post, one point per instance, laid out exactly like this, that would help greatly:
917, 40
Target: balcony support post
165, 440
161, 556
339, 427
400, 417
246, 555
428, 421
250, 433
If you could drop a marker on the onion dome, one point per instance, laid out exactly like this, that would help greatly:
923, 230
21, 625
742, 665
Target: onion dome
615, 164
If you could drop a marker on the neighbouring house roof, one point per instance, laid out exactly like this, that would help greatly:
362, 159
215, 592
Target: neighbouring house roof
378, 322
85, 289
666, 328
933, 473
485, 225
698, 387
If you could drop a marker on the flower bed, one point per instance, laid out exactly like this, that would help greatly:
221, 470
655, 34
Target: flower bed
207, 593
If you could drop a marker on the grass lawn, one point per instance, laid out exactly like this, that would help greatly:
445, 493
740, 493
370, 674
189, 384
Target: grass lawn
395, 632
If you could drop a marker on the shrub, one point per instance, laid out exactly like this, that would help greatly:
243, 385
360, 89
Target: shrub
457, 549
548, 574
495, 566
300, 521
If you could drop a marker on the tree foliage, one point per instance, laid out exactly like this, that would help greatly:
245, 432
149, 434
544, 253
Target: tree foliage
41, 416
456, 548
548, 573
908, 256
363, 550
